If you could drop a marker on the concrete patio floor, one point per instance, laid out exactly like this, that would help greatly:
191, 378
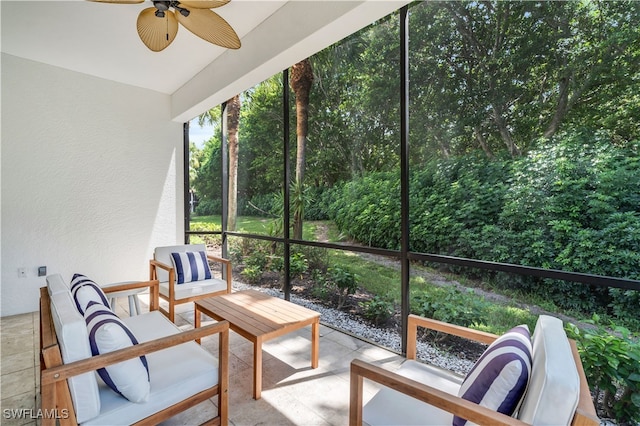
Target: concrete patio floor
293, 393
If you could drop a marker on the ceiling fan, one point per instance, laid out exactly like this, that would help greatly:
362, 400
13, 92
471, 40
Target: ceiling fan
158, 25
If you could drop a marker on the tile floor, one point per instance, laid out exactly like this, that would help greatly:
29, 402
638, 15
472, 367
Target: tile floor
293, 393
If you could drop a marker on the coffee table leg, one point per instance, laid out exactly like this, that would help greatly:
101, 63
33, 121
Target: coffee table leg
257, 369
196, 320
315, 344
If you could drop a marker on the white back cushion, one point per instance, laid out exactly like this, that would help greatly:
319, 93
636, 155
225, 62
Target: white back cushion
554, 387
74, 346
55, 284
163, 254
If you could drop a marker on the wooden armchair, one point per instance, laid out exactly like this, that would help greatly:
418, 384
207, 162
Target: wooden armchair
71, 394
408, 398
161, 269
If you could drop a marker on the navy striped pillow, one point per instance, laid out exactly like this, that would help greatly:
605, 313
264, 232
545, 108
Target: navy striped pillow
84, 291
499, 379
191, 266
107, 333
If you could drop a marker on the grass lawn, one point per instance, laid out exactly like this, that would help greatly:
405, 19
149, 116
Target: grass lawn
383, 278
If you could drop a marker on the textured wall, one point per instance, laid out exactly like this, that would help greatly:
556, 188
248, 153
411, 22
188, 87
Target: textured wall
91, 178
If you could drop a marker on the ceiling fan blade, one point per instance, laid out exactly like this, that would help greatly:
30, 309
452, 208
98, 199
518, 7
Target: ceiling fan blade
118, 1
210, 26
203, 4
157, 33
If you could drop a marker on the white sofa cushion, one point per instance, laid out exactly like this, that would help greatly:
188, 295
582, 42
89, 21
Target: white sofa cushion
176, 373
389, 407
85, 291
73, 340
186, 290
55, 284
107, 333
554, 387
499, 378
191, 266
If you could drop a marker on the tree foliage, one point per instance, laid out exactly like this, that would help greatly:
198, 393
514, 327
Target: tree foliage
524, 122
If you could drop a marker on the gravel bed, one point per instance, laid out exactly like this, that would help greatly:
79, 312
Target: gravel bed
384, 337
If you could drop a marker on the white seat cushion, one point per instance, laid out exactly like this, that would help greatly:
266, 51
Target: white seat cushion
389, 407
176, 373
74, 346
190, 289
194, 288
554, 387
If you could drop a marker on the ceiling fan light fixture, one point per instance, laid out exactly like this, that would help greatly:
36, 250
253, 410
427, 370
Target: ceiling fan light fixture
161, 5
158, 25
183, 12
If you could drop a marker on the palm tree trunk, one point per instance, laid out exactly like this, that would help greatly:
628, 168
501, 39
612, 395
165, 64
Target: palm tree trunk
233, 114
301, 80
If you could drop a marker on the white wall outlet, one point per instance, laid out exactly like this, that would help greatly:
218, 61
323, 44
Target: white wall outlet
22, 272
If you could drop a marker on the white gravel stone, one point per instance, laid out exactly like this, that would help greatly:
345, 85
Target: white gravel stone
386, 338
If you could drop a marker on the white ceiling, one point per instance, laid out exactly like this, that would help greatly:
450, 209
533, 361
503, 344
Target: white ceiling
101, 40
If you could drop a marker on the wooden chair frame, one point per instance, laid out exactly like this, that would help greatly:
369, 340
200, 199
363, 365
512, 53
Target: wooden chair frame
585, 414
56, 397
171, 313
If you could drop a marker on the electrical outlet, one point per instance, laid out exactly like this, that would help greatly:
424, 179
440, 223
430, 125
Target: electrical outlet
22, 272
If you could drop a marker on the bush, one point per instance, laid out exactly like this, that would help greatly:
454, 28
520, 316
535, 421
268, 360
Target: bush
377, 310
368, 210
611, 359
450, 305
208, 239
571, 204
209, 208
344, 282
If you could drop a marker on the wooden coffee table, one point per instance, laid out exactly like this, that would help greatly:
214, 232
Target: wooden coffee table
259, 317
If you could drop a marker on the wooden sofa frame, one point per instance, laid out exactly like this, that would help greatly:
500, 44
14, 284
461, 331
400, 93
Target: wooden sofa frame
171, 313
55, 393
585, 414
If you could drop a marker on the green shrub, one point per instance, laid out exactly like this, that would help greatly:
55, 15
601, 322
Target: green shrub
252, 274
298, 265
450, 305
624, 305
208, 239
377, 310
343, 281
611, 360
208, 208
571, 204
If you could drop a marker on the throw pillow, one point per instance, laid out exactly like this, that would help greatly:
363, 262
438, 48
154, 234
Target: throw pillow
108, 333
499, 379
191, 266
84, 291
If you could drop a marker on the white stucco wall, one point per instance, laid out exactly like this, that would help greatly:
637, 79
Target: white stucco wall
91, 179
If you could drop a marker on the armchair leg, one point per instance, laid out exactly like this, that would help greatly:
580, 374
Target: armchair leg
172, 313
355, 403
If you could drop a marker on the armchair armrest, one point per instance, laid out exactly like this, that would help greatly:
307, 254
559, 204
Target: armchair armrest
154, 292
155, 264
416, 321
226, 264
218, 259
427, 394
62, 372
